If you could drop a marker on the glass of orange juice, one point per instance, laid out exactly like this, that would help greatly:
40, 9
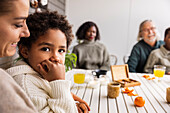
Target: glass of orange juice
159, 71
79, 78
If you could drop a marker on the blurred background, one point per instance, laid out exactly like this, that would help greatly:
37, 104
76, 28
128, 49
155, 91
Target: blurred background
118, 20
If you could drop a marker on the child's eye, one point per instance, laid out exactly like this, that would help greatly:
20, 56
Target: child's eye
45, 49
18, 25
61, 50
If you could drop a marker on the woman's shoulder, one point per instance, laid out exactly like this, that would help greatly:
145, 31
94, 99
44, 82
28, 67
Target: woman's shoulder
2, 71
4, 74
87, 45
99, 44
77, 47
80, 44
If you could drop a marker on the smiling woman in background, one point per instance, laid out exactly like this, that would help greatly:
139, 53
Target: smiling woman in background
13, 14
148, 41
90, 53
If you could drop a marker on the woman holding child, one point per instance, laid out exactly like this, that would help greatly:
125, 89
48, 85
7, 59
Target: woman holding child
13, 15
41, 72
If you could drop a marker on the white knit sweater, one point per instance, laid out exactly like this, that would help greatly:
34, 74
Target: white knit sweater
159, 56
48, 97
13, 97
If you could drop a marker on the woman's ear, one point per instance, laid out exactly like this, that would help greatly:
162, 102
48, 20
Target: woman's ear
23, 51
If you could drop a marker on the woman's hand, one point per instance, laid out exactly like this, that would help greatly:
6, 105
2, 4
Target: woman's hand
52, 70
82, 106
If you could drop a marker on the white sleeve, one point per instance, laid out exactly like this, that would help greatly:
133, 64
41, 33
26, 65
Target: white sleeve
48, 97
152, 60
61, 99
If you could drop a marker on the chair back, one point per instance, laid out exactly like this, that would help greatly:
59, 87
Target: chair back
125, 59
113, 59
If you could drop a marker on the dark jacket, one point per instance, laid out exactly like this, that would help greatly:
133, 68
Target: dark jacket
139, 55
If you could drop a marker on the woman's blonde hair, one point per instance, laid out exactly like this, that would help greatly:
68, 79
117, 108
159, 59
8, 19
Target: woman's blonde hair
140, 30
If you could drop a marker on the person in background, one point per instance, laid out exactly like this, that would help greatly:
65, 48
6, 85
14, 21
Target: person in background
90, 53
13, 14
160, 56
41, 71
148, 41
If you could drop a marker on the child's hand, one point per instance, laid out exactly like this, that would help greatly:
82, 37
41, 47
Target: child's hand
82, 105
52, 71
82, 108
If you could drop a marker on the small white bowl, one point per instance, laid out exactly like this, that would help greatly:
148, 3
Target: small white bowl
94, 84
104, 80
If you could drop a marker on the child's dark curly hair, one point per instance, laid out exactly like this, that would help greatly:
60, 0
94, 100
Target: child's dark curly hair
166, 32
40, 22
81, 32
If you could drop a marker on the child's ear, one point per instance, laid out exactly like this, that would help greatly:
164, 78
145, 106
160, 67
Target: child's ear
24, 51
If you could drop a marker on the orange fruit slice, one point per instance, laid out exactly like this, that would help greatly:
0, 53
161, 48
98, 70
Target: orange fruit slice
139, 101
127, 90
148, 77
132, 94
145, 76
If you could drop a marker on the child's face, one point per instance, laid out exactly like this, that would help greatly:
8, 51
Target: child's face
167, 41
91, 33
51, 46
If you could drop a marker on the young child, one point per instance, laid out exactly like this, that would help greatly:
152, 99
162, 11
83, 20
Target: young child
41, 73
160, 56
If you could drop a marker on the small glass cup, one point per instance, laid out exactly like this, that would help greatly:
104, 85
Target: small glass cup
104, 79
79, 78
113, 89
89, 77
159, 71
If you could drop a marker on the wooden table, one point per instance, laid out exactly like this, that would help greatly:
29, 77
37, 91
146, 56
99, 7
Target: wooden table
152, 91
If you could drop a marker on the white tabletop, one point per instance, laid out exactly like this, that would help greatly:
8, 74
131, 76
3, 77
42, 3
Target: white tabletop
152, 91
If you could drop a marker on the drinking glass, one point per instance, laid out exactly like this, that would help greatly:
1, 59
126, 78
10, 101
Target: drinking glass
159, 71
79, 78
113, 89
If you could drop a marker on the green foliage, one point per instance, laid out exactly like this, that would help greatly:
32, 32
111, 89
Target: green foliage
70, 61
